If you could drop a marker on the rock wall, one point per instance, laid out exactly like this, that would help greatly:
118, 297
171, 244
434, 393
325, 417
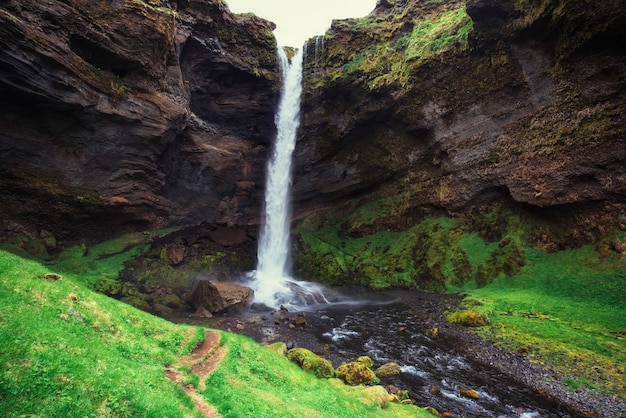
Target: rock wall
135, 114
454, 104
132, 114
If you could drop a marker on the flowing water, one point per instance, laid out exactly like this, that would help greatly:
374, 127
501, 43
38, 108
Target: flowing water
272, 283
433, 370
434, 366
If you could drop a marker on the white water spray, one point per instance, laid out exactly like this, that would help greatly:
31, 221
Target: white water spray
273, 285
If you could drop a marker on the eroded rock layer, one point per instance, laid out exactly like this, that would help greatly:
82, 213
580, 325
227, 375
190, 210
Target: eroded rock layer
121, 115
457, 103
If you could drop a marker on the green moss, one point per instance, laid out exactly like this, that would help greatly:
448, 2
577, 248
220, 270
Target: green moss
311, 362
566, 310
508, 259
469, 318
356, 373
383, 58
388, 369
430, 255
252, 382
433, 37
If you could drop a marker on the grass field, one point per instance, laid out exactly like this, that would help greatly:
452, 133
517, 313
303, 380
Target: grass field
68, 351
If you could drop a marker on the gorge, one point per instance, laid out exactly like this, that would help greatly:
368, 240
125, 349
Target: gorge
449, 146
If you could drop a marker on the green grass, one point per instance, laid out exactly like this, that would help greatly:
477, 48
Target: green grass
433, 37
566, 310
384, 60
68, 351
253, 383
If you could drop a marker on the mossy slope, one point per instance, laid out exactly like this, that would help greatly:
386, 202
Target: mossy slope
555, 296
68, 351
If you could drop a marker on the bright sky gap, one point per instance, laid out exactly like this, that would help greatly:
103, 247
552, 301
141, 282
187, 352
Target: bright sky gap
298, 20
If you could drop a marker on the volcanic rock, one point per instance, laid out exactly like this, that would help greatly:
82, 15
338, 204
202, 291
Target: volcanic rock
218, 296
132, 115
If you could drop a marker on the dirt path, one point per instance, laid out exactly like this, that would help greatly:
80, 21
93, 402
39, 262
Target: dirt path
202, 360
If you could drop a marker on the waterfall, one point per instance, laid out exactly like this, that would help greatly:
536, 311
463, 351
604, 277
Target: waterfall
273, 286
273, 250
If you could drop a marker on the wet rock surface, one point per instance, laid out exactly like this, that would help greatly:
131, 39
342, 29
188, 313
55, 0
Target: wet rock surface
506, 384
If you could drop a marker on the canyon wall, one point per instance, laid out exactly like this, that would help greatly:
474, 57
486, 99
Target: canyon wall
128, 115
451, 104
443, 142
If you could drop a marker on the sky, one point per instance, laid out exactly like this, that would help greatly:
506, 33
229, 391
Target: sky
298, 20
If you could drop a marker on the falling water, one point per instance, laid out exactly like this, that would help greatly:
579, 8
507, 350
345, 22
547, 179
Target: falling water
272, 284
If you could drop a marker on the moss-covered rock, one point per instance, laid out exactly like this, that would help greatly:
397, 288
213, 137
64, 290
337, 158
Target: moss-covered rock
366, 360
376, 394
388, 369
311, 362
279, 348
469, 318
356, 373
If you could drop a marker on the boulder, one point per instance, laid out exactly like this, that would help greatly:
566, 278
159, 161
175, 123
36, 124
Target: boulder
218, 296
388, 369
355, 373
311, 362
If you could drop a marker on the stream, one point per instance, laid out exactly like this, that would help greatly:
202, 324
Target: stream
435, 364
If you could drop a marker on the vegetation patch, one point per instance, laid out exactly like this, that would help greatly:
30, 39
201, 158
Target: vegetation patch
392, 53
69, 351
253, 381
562, 308
435, 254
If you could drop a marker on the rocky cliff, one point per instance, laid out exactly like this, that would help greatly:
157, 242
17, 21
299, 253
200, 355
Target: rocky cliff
450, 104
428, 121
131, 114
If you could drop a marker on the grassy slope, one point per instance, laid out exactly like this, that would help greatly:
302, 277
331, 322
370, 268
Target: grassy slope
565, 309
258, 383
68, 351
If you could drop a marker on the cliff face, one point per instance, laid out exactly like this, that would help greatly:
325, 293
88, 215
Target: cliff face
135, 114
455, 104
129, 114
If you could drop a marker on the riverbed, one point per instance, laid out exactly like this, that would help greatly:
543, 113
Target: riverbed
437, 358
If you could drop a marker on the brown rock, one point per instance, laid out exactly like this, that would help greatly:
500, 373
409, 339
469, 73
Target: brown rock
127, 115
468, 393
218, 296
176, 254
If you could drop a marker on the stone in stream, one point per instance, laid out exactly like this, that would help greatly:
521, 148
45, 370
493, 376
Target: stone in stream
468, 393
213, 296
388, 369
